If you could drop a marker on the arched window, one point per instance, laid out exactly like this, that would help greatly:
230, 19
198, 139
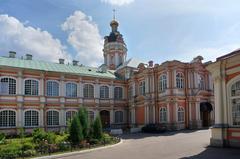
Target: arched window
201, 82
180, 112
162, 83
235, 97
88, 91
52, 88
71, 90
142, 88
118, 92
7, 118
31, 87
163, 115
91, 116
69, 115
118, 117
180, 80
52, 118
7, 86
104, 92
31, 118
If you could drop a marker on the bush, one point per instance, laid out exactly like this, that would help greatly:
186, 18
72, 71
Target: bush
39, 135
2, 138
154, 128
83, 118
76, 135
97, 128
10, 151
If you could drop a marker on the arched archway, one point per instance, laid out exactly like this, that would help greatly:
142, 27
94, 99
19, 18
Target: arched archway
206, 108
105, 118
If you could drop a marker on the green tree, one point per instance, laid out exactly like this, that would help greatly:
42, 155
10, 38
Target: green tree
76, 135
97, 128
83, 118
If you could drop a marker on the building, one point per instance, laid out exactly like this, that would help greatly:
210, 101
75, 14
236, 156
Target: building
226, 74
125, 93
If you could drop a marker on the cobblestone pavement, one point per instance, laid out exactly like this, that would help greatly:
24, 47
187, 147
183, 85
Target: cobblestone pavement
172, 145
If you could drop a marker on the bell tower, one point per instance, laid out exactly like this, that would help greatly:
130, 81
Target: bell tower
115, 50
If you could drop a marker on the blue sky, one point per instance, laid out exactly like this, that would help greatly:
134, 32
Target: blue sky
156, 30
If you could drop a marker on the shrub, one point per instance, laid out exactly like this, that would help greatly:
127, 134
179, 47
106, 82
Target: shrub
39, 135
97, 128
51, 137
10, 151
75, 131
2, 138
83, 118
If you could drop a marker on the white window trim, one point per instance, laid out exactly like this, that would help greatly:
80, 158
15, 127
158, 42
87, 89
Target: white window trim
31, 79
59, 115
122, 93
65, 85
229, 98
102, 85
115, 116
59, 89
159, 82
160, 115
88, 94
15, 118
24, 117
183, 114
16, 83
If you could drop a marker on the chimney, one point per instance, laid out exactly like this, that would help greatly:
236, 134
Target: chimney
28, 57
75, 62
12, 54
150, 63
61, 61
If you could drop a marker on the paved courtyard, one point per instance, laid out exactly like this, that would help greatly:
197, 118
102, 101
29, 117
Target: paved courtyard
172, 145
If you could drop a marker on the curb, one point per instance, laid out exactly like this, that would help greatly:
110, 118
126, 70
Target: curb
78, 152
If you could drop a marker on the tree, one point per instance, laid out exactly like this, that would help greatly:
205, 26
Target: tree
97, 128
83, 118
76, 135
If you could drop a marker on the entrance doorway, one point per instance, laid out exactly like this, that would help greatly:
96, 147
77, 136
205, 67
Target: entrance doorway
206, 108
105, 118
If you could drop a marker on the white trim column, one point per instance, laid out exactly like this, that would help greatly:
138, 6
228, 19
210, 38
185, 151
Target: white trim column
111, 116
168, 113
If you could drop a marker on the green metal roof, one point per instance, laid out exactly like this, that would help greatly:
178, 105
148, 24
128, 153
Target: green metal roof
55, 67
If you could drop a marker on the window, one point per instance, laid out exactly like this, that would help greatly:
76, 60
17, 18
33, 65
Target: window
201, 82
142, 88
31, 87
71, 90
7, 118
91, 116
104, 92
7, 86
118, 93
235, 97
163, 115
52, 118
162, 83
31, 118
52, 88
180, 114
118, 117
70, 115
180, 80
88, 91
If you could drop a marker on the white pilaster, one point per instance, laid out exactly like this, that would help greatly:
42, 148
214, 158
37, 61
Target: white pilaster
168, 113
111, 116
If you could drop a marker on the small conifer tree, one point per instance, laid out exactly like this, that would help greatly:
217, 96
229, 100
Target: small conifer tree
97, 128
83, 118
76, 135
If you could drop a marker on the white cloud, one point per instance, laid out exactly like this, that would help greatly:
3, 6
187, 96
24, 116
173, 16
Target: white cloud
85, 38
23, 39
118, 2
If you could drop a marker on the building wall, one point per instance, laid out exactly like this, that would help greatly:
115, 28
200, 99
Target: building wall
225, 72
188, 97
20, 102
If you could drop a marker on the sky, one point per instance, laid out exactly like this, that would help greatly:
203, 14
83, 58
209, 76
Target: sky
157, 30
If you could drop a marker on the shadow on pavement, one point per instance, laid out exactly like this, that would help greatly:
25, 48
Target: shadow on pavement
167, 133
217, 153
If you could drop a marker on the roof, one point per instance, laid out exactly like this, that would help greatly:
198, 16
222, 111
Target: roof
133, 62
231, 54
55, 67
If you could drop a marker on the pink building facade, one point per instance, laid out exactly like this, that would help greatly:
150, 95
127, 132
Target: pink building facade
125, 93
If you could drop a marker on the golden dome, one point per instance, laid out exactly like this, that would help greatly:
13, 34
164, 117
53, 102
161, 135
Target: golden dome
114, 22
